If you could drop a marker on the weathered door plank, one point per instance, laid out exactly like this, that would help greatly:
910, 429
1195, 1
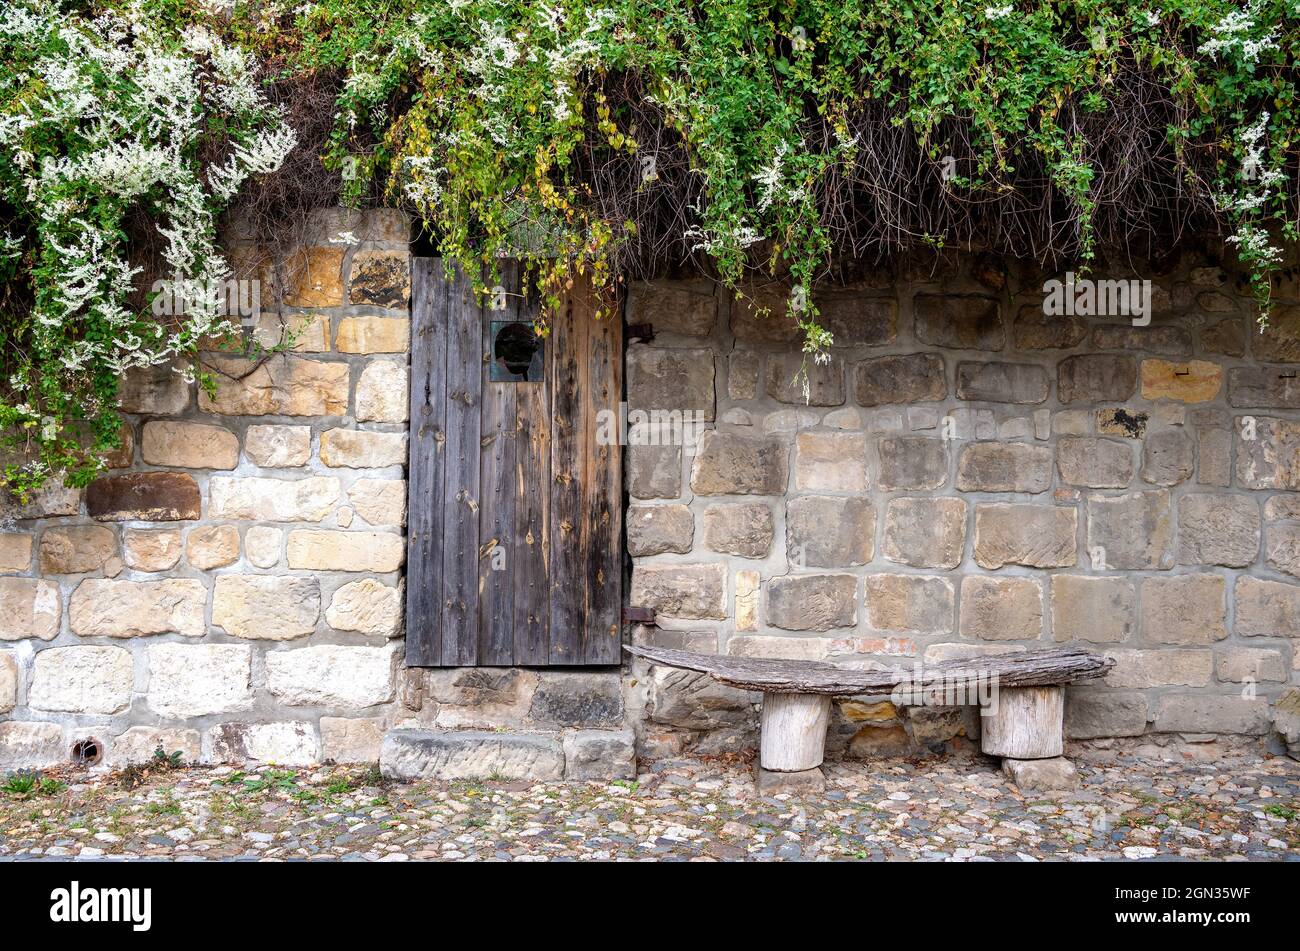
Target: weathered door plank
498, 542
425, 477
532, 513
460, 499
569, 403
602, 487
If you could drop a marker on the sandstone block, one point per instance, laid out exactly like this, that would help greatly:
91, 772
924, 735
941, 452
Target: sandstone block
351, 739
695, 701
587, 701
274, 447
157, 390
812, 602
29, 607
1218, 529
743, 529
1225, 338
670, 379
1041, 775
915, 604
379, 501
1132, 531
9, 680
1282, 549
1160, 668
1096, 378
1271, 460
330, 675
1118, 421
1093, 462
169, 442
779, 648
673, 307
1195, 381
1214, 451
1002, 382
284, 744
373, 335
383, 393
909, 378
379, 552
138, 744
1188, 713
925, 533
194, 680
266, 607
368, 606
314, 278
1001, 609
144, 496
1272, 387
94, 680
1092, 715
151, 549
912, 462
1249, 665
272, 500
856, 321
362, 449
655, 472
1034, 330
1037, 536
793, 378
655, 529
467, 754
212, 546
742, 374
599, 754
829, 531
31, 745
1172, 341
107, 608
1184, 609
729, 464
76, 549
15, 551
281, 386
959, 322
381, 278
681, 591
831, 462
1167, 457
1098, 610
1266, 608
1004, 467
746, 613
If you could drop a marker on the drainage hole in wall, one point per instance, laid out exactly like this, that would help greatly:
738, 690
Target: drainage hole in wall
87, 752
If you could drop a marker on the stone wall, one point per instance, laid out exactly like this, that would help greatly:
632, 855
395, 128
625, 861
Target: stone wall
967, 475
231, 588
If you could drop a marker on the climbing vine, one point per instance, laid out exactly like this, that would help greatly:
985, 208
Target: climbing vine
762, 139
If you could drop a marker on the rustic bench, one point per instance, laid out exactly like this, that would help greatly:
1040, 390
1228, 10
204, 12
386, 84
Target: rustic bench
1021, 695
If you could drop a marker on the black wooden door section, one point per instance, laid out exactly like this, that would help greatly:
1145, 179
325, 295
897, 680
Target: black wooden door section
515, 525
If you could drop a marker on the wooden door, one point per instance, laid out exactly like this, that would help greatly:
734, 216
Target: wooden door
515, 547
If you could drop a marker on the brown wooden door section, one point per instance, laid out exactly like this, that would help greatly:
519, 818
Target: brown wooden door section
515, 525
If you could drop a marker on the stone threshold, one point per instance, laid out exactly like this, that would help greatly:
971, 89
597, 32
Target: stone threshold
408, 754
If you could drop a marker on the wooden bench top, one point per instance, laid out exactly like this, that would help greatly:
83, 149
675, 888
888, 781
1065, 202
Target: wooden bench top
1029, 669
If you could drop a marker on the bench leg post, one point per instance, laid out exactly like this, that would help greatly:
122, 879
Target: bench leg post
793, 735
1025, 728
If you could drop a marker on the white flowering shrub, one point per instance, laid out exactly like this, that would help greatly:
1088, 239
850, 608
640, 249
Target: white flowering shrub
99, 118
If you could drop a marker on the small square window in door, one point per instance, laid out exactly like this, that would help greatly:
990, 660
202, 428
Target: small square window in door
516, 353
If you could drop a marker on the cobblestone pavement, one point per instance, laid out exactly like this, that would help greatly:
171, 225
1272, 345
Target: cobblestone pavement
956, 808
